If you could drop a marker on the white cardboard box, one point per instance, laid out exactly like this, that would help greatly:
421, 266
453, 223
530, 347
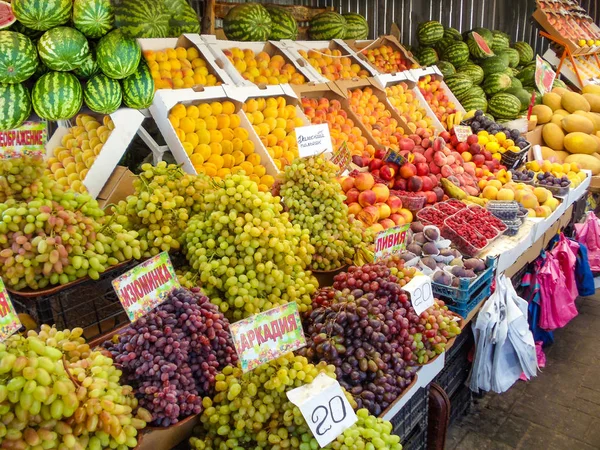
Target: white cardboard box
435, 73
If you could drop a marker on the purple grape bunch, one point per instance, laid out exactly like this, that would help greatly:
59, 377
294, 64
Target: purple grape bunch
172, 355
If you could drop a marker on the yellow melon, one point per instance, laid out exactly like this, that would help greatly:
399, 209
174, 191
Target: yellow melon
557, 119
553, 136
588, 162
572, 101
562, 112
560, 91
594, 101
594, 118
553, 155
551, 100
576, 122
591, 89
543, 113
580, 143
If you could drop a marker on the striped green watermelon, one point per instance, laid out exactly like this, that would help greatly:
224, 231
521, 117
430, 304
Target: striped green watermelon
42, 14
441, 45
118, 55
89, 67
500, 41
559, 83
7, 17
57, 96
523, 96
494, 64
426, 56
527, 76
452, 33
18, 57
478, 47
446, 68
327, 25
183, 19
525, 52
496, 82
475, 91
515, 83
283, 24
94, 18
357, 26
63, 48
458, 84
473, 103
512, 55
473, 71
504, 106
29, 32
142, 19
102, 94
138, 89
486, 34
247, 22
430, 32
457, 54
15, 106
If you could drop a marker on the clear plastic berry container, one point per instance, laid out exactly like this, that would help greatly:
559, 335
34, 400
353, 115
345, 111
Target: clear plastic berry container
470, 245
503, 210
410, 202
557, 191
447, 207
431, 216
512, 227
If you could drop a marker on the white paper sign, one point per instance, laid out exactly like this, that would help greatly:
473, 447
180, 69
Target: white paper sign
313, 139
324, 407
421, 294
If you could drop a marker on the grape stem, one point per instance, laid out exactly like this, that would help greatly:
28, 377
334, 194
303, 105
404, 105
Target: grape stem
66, 365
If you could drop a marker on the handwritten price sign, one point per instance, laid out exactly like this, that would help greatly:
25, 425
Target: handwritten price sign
324, 407
421, 293
313, 139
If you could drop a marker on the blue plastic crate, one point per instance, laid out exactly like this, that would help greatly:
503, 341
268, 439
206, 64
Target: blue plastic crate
467, 287
464, 307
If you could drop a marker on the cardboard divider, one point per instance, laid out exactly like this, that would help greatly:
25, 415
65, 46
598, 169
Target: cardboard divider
540, 16
294, 48
165, 100
218, 49
188, 41
392, 41
434, 72
127, 122
386, 80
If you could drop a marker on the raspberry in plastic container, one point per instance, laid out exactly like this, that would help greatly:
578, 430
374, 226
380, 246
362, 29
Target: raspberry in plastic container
468, 241
410, 200
432, 216
446, 208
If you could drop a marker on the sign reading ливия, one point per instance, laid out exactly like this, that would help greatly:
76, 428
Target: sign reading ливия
145, 287
268, 335
391, 241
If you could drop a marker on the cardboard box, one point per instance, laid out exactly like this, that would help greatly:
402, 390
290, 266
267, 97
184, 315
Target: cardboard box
127, 122
534, 137
388, 40
435, 73
118, 186
187, 41
159, 438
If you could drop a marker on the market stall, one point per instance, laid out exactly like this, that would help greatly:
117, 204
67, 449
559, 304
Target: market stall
268, 229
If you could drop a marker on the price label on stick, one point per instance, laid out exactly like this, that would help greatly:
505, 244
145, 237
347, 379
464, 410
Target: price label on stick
462, 132
421, 293
9, 321
324, 407
313, 139
146, 286
544, 75
391, 241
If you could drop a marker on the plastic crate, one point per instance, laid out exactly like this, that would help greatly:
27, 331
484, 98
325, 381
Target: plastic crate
467, 287
460, 403
91, 305
412, 415
456, 370
464, 307
513, 160
417, 439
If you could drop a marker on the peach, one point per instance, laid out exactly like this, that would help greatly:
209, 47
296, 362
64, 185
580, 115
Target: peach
382, 192
387, 223
376, 228
384, 210
505, 194
364, 181
398, 219
541, 194
415, 184
347, 183
440, 159
367, 198
408, 170
428, 184
529, 201
540, 211
394, 203
408, 216
354, 208
369, 215
352, 195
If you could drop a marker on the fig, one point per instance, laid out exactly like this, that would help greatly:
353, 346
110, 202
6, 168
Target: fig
432, 234
419, 237
416, 227
469, 274
430, 249
414, 248
428, 261
456, 282
456, 262
458, 271
407, 256
475, 264
446, 252
409, 236
442, 277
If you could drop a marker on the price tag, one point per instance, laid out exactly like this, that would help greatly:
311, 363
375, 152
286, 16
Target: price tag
146, 286
268, 335
544, 75
9, 321
313, 139
421, 293
29, 139
390, 242
324, 407
462, 132
393, 156
342, 158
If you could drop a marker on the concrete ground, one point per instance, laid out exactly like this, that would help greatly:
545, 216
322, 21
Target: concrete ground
557, 410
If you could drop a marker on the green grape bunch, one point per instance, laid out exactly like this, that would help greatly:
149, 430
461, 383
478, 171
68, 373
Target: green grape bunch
315, 202
249, 256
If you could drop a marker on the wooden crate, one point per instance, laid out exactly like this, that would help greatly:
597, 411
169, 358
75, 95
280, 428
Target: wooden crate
218, 10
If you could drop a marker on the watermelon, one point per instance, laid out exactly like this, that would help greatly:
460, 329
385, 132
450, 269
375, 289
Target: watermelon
42, 14
496, 82
473, 103
475, 91
478, 47
523, 96
441, 45
283, 24
559, 83
504, 106
430, 32
426, 56
527, 76
118, 55
458, 84
500, 41
457, 54
89, 67
63, 48
494, 64
15, 106
473, 71
94, 18
452, 33
182, 18
29, 32
446, 68
57, 96
512, 55
486, 34
515, 83
7, 17
142, 19
18, 57
247, 22
102, 94
138, 89
327, 25
525, 52
357, 26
